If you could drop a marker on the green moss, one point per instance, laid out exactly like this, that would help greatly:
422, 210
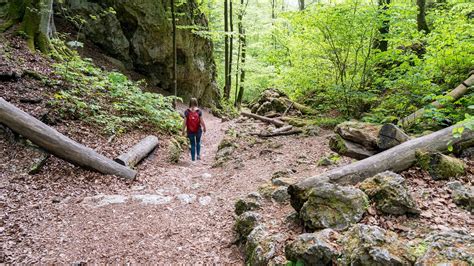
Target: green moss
444, 167
422, 159
336, 143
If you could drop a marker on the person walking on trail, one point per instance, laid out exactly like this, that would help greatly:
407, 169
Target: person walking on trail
194, 126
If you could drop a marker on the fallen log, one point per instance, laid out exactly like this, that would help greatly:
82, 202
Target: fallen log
455, 94
361, 133
395, 159
282, 129
390, 136
300, 107
138, 152
57, 144
348, 148
284, 133
275, 122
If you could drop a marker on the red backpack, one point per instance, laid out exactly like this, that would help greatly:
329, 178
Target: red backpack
193, 121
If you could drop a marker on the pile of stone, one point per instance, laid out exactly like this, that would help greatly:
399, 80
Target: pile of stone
274, 102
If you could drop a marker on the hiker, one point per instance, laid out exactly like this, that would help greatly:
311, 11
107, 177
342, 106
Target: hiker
194, 123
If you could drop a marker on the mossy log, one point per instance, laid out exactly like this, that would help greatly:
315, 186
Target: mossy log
395, 159
138, 152
440, 166
275, 122
57, 144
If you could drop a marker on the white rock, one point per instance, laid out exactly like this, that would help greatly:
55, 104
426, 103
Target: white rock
186, 198
204, 200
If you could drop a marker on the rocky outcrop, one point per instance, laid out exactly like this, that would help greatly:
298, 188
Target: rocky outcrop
372, 245
245, 223
390, 193
139, 34
333, 206
260, 247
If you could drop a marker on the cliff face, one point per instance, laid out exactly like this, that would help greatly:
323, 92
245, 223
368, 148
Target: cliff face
139, 33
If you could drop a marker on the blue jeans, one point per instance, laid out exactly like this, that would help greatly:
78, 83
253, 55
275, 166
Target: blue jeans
195, 139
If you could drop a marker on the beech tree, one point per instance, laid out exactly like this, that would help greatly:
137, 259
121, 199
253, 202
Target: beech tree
37, 22
421, 16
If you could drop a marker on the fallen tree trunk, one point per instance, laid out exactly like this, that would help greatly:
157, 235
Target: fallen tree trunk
395, 159
300, 107
455, 94
138, 152
275, 122
57, 144
284, 133
282, 129
390, 136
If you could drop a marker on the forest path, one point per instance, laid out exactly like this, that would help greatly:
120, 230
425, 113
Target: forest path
171, 213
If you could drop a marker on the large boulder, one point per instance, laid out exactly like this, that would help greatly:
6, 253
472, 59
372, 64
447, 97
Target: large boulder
372, 245
245, 223
348, 148
447, 248
365, 134
139, 33
462, 195
390, 193
313, 248
333, 206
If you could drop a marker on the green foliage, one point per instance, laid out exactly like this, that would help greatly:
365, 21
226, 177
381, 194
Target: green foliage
109, 99
226, 110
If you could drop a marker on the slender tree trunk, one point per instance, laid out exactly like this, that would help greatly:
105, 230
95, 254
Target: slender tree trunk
421, 16
36, 17
273, 23
301, 5
242, 69
231, 46
174, 82
226, 51
381, 42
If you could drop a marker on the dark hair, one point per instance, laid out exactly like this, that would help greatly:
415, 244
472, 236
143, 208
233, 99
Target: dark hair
193, 102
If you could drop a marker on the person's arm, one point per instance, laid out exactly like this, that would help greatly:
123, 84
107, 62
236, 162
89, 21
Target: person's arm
203, 125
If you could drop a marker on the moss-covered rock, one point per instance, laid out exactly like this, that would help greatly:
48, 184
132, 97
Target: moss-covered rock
333, 206
462, 195
280, 194
266, 190
313, 248
390, 193
249, 203
365, 134
440, 166
260, 247
372, 245
448, 248
245, 223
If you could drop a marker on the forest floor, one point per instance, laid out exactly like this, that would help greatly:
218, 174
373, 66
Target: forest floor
171, 213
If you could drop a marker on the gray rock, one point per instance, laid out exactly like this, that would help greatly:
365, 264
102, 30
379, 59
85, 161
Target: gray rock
333, 206
365, 134
462, 195
260, 247
283, 181
245, 223
313, 249
311, 130
186, 198
372, 245
390, 193
280, 194
205, 200
153, 199
447, 248
137, 32
249, 203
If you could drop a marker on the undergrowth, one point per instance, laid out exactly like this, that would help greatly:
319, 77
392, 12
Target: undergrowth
108, 99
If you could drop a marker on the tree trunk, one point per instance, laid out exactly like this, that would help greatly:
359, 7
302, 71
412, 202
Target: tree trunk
421, 16
174, 82
301, 5
455, 94
138, 152
242, 44
58, 144
226, 51
381, 42
395, 159
36, 17
284, 133
231, 46
275, 122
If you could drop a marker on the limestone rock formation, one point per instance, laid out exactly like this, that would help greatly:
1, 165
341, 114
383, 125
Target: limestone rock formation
333, 206
390, 193
462, 195
448, 248
313, 248
139, 34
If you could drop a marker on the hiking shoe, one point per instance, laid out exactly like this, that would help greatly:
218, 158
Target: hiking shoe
199, 157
